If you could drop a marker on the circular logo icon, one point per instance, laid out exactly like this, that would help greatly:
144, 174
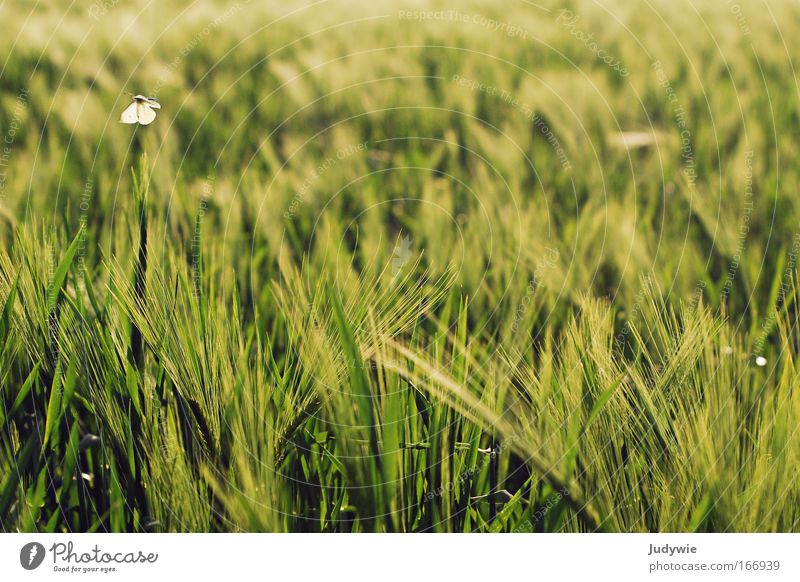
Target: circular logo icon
31, 555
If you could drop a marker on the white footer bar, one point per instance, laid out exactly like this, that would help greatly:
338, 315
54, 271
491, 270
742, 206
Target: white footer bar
382, 557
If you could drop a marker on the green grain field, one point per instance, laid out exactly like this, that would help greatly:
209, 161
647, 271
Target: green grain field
400, 267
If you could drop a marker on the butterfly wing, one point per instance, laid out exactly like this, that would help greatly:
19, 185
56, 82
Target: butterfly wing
153, 103
145, 114
130, 115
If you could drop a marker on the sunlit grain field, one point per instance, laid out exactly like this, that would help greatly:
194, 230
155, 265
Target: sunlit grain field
400, 267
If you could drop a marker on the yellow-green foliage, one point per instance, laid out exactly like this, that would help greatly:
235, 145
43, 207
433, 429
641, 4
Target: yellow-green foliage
369, 271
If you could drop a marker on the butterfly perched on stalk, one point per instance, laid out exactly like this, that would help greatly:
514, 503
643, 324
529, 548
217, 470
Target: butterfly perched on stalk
141, 110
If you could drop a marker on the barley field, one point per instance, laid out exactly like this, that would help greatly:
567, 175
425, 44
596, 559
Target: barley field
400, 267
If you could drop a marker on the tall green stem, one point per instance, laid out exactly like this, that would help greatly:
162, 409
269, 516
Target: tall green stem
141, 187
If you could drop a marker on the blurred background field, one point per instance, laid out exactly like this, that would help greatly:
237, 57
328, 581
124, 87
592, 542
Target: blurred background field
408, 267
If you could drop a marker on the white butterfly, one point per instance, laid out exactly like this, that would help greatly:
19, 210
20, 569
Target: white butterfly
141, 110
